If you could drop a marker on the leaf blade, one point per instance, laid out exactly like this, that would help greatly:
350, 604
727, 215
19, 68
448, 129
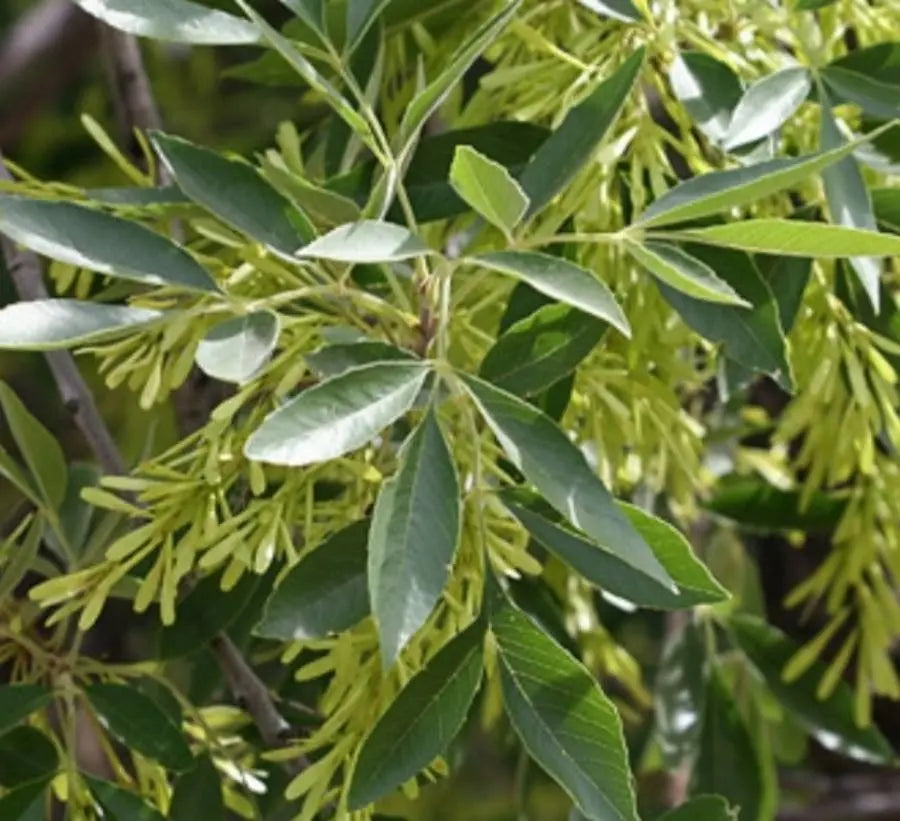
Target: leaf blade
488, 188
235, 349
366, 241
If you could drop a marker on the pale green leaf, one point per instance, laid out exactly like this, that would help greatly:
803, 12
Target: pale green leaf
708, 89
235, 349
767, 105
366, 241
488, 188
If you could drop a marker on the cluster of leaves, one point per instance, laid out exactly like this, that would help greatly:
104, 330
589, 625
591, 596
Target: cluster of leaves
448, 350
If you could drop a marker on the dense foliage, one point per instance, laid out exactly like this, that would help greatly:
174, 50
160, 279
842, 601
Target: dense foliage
539, 318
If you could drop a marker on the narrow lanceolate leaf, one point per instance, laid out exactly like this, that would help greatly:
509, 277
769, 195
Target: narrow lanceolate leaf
559, 279
874, 97
234, 350
138, 723
567, 724
623, 10
429, 98
708, 89
849, 202
539, 350
723, 190
198, 794
18, 701
703, 808
236, 193
421, 721
311, 12
414, 533
767, 105
560, 473
101, 242
338, 415
326, 592
49, 324
488, 188
797, 239
177, 21
366, 241
753, 335
38, 447
568, 149
308, 72
684, 273
603, 567
119, 804
727, 763
361, 16
830, 719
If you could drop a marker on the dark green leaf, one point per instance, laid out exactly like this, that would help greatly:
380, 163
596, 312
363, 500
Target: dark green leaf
366, 241
558, 470
767, 105
874, 97
328, 206
138, 197
680, 696
21, 555
47, 324
540, 349
623, 10
708, 89
703, 807
101, 242
26, 754
75, 514
488, 188
18, 701
38, 448
829, 720
787, 278
311, 12
421, 721
569, 149
332, 360
235, 192
727, 764
235, 349
413, 538
886, 202
119, 804
602, 565
880, 61
198, 794
338, 415
326, 592
566, 723
25, 803
136, 721
361, 16
559, 279
178, 21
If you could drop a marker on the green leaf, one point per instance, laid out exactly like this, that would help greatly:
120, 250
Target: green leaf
723, 190
413, 538
198, 794
623, 10
566, 723
602, 564
178, 21
38, 448
332, 360
488, 187
796, 238
703, 807
559, 471
311, 12
325, 593
22, 555
235, 349
49, 324
426, 102
137, 197
787, 278
202, 613
119, 804
540, 349
338, 415
328, 206
101, 242
767, 105
829, 720
422, 720
727, 764
708, 89
18, 701
874, 97
848, 199
361, 16
26, 754
289, 51
753, 502
235, 192
366, 241
680, 696
559, 279
25, 803
569, 149
136, 721
886, 202
751, 336
684, 273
